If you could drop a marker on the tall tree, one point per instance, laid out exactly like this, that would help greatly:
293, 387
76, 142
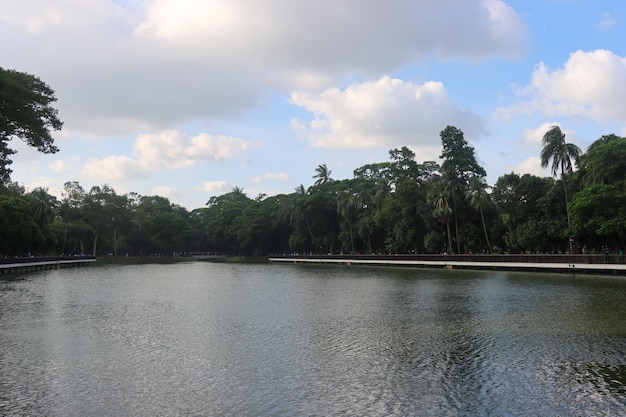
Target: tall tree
560, 153
25, 113
458, 167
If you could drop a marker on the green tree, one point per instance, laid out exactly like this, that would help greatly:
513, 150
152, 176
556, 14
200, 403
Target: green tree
479, 199
109, 214
18, 230
302, 237
605, 162
458, 167
223, 223
44, 208
560, 154
598, 210
529, 209
599, 214
25, 113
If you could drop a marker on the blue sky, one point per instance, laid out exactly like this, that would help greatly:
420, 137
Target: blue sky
190, 98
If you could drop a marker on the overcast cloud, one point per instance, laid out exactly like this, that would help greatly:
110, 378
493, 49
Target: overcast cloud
156, 64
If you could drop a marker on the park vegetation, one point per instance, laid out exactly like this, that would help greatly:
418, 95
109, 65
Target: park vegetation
398, 205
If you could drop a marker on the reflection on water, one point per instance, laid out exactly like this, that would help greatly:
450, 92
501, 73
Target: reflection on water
279, 340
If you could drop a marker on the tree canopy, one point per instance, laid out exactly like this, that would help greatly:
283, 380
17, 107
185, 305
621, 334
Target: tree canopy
398, 205
25, 113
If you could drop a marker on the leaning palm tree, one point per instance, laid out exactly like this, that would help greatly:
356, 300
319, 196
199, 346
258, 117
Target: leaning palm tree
322, 174
479, 198
561, 154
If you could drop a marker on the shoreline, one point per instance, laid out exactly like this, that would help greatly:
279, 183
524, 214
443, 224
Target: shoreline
586, 264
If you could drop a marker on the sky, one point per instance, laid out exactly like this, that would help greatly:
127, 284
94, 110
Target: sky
188, 99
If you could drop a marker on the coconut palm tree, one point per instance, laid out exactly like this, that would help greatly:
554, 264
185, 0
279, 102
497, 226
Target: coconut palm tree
43, 206
561, 154
322, 174
478, 198
442, 212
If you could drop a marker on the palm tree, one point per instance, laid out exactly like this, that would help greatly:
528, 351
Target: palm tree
442, 212
348, 204
478, 198
561, 153
299, 210
322, 173
43, 206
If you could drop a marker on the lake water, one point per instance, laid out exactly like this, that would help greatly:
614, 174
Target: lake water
203, 339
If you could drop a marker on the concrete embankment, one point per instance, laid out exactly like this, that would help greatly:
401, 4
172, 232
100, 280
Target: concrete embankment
600, 264
16, 265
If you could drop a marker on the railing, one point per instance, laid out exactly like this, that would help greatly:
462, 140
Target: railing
46, 259
517, 258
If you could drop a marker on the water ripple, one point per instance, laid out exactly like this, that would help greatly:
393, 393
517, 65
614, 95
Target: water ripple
258, 340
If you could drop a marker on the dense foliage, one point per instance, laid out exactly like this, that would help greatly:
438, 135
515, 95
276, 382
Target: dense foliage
395, 206
25, 113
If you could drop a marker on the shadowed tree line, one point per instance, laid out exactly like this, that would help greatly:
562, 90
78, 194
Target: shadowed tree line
395, 206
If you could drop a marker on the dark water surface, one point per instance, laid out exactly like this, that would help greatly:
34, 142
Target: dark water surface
202, 339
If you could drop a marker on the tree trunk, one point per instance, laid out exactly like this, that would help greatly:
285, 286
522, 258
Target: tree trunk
351, 237
569, 220
308, 226
449, 237
482, 217
456, 227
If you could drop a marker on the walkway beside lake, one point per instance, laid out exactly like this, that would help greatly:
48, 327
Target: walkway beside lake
14, 265
609, 264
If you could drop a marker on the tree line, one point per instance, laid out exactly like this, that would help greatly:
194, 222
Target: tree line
395, 206
398, 205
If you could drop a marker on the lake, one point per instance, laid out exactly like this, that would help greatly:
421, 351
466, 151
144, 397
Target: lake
206, 339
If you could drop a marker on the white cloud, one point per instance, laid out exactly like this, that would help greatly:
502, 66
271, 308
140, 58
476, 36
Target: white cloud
270, 176
387, 112
534, 136
355, 33
213, 186
121, 67
169, 149
168, 192
606, 23
531, 166
63, 165
174, 150
113, 169
50, 16
590, 85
